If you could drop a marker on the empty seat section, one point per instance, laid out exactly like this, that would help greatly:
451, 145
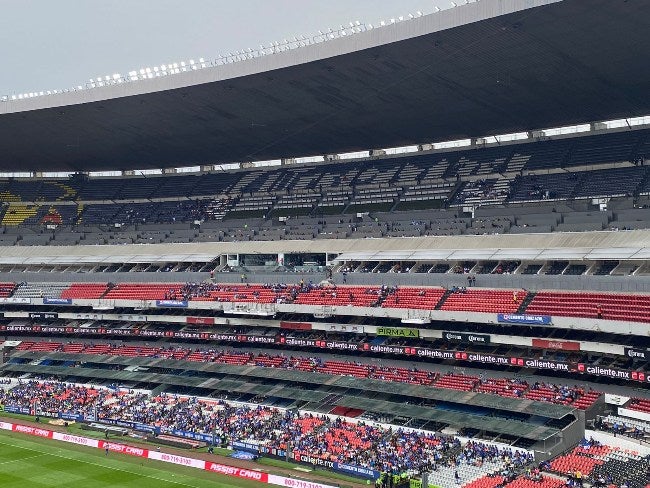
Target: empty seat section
416, 298
145, 291
610, 306
85, 290
479, 300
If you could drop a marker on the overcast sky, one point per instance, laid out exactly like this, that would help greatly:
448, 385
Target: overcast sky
54, 44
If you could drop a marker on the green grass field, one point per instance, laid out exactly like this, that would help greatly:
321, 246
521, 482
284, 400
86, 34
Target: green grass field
27, 462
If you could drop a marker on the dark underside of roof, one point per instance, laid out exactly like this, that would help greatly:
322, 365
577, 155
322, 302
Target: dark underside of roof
564, 63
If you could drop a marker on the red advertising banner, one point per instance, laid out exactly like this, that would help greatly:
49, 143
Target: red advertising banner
295, 325
124, 449
26, 429
200, 320
551, 344
237, 472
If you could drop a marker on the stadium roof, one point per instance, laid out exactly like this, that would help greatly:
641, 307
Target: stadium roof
591, 245
489, 67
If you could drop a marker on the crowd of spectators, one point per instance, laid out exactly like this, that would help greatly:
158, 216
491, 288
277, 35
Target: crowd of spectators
53, 397
393, 450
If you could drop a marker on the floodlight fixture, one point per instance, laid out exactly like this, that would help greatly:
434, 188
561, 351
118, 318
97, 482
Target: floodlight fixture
453, 4
400, 18
419, 13
382, 23
437, 9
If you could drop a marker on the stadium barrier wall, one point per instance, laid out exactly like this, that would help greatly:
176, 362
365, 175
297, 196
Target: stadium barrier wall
541, 343
223, 469
531, 282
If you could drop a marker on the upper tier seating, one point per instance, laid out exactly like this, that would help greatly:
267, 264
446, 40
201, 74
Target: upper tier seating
39, 290
414, 298
85, 290
145, 291
478, 300
472, 176
612, 306
359, 296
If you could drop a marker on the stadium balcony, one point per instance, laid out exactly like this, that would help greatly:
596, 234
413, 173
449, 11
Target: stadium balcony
577, 397
606, 306
640, 405
625, 426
